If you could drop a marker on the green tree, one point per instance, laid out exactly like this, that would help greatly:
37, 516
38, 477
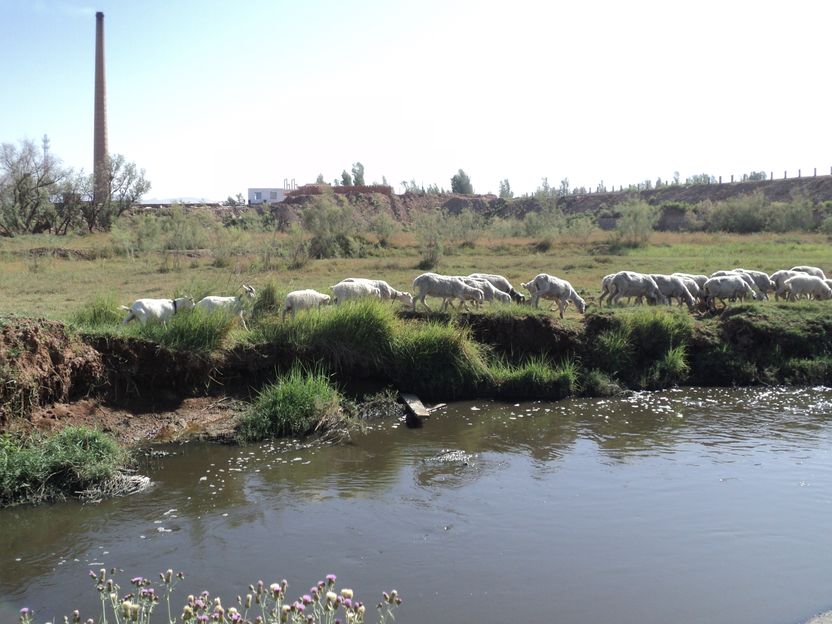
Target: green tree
346, 179
319, 179
358, 174
126, 185
461, 183
635, 223
505, 190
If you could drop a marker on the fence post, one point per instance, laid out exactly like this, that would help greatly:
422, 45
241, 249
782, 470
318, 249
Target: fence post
784, 175
770, 175
732, 178
816, 173
798, 173
720, 179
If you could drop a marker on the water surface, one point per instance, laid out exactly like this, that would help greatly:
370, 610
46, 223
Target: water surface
686, 506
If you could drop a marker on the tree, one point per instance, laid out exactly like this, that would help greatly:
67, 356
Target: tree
29, 177
358, 174
125, 186
319, 179
563, 191
346, 180
505, 190
461, 183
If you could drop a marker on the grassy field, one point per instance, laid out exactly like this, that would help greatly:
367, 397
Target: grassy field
54, 287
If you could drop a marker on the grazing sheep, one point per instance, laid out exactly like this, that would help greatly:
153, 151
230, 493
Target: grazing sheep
550, 287
606, 282
232, 304
699, 279
758, 295
302, 300
779, 278
156, 310
810, 270
632, 284
809, 285
344, 291
489, 291
726, 287
761, 280
501, 283
673, 286
386, 290
444, 286
692, 286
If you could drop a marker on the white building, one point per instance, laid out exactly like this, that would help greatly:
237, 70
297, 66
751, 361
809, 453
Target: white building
265, 195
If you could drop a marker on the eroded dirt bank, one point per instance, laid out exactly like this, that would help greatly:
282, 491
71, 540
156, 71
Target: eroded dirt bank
141, 391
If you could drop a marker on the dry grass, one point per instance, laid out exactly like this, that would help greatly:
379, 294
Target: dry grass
54, 287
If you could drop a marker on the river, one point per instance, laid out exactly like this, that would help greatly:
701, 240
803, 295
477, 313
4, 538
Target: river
685, 506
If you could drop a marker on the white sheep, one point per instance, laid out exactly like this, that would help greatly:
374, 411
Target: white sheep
758, 295
632, 284
673, 286
156, 310
606, 282
302, 300
762, 281
234, 305
501, 283
779, 278
489, 291
698, 278
545, 286
810, 270
725, 287
809, 285
344, 291
445, 286
386, 290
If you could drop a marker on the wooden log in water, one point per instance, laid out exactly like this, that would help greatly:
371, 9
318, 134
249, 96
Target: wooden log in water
416, 410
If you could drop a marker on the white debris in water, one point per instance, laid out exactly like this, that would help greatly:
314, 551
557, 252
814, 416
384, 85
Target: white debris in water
474, 408
203, 478
163, 530
298, 459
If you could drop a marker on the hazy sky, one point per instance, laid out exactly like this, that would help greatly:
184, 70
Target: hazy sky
212, 97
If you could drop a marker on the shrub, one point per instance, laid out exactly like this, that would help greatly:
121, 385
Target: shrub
296, 404
266, 302
743, 214
331, 222
430, 229
670, 369
796, 215
635, 223
597, 383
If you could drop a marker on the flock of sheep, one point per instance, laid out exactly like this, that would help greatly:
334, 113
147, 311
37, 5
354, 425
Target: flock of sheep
686, 288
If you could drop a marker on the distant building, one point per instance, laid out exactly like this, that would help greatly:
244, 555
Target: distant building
265, 195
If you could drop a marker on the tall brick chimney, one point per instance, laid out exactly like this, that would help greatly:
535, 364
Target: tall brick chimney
100, 125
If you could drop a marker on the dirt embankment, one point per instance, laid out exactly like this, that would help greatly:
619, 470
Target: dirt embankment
404, 207
140, 391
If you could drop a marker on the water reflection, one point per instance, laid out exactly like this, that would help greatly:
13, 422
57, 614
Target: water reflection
582, 491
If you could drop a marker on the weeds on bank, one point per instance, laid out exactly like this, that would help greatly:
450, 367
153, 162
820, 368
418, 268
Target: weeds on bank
325, 603
40, 468
296, 404
537, 377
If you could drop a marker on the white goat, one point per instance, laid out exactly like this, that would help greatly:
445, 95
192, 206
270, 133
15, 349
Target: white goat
386, 290
444, 286
501, 283
234, 305
302, 300
545, 286
758, 295
156, 310
606, 282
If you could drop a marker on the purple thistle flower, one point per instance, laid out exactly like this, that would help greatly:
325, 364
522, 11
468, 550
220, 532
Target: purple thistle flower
330, 578
202, 618
136, 580
348, 603
25, 610
199, 604
307, 599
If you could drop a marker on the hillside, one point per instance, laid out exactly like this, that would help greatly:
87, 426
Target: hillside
368, 201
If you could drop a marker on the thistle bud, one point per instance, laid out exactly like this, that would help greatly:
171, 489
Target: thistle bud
331, 596
284, 613
125, 608
346, 593
168, 576
248, 601
134, 612
187, 613
76, 617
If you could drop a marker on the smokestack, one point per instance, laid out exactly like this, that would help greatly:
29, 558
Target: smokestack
100, 183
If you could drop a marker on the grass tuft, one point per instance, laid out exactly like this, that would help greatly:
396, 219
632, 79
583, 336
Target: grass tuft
536, 378
100, 312
296, 404
195, 330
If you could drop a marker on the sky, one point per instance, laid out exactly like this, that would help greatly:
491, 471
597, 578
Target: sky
213, 97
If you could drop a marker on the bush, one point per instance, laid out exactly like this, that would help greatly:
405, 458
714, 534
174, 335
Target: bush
296, 404
430, 229
635, 223
331, 222
40, 468
743, 214
266, 302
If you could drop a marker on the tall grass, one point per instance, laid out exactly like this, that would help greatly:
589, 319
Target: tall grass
194, 330
101, 311
296, 404
536, 378
438, 360
40, 468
